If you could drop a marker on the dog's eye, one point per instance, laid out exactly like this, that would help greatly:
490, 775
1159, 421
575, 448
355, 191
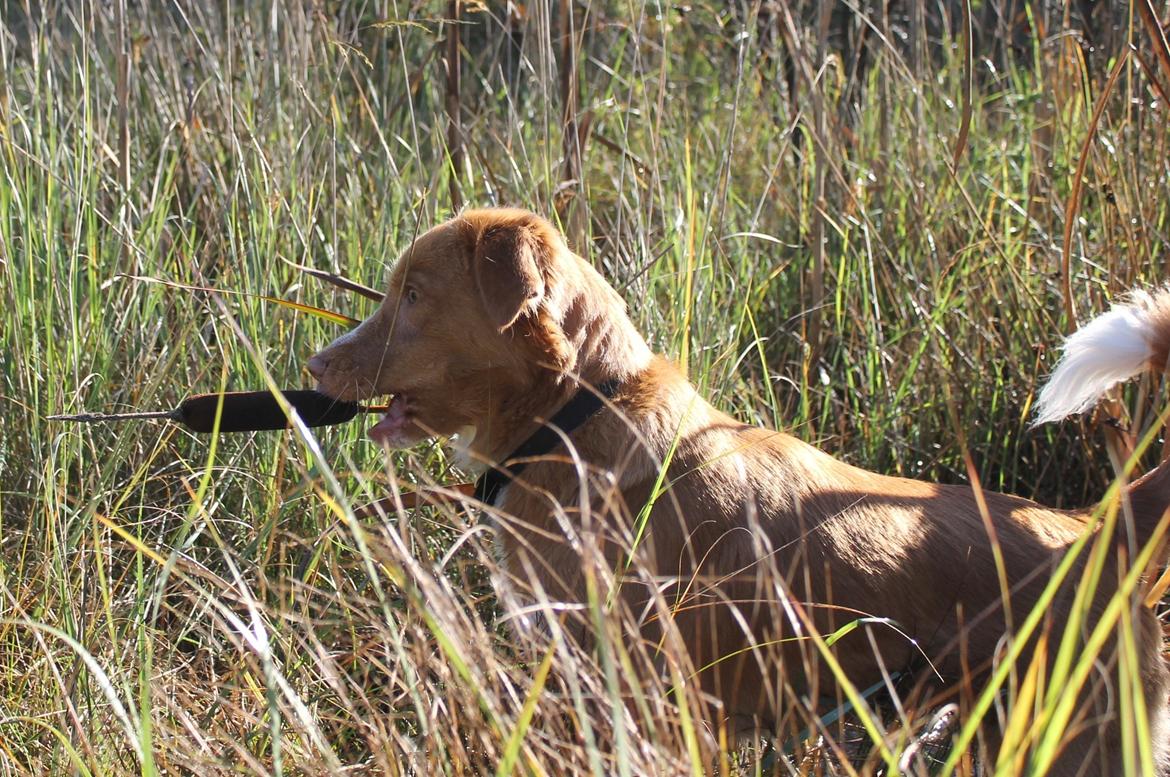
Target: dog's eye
411, 295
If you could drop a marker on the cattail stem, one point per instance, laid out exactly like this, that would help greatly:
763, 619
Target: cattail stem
243, 411
170, 415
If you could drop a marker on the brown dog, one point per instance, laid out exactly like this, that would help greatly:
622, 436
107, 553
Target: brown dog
491, 326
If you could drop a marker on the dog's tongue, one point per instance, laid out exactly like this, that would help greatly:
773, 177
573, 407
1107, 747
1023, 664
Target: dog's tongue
392, 425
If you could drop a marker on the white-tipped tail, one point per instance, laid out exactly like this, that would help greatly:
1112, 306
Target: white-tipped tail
1111, 348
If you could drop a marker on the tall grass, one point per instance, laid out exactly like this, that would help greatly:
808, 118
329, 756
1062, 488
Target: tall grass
786, 214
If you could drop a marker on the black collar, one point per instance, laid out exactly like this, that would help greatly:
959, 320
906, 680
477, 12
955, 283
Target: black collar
583, 406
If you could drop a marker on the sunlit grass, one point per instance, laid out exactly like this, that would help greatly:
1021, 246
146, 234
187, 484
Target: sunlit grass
170, 602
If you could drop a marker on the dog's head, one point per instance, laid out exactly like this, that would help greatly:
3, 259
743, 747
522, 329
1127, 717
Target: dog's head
473, 315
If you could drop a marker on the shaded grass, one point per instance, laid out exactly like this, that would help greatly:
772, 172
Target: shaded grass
237, 612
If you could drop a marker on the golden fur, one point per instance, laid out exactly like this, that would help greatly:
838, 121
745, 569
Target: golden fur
491, 322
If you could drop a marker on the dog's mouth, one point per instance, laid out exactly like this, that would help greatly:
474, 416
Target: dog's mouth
396, 428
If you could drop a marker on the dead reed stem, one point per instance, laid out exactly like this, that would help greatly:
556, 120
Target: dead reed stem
454, 105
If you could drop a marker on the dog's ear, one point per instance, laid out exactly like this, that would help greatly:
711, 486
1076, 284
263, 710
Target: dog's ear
506, 268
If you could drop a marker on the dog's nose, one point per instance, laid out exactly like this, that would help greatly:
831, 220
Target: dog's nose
317, 366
